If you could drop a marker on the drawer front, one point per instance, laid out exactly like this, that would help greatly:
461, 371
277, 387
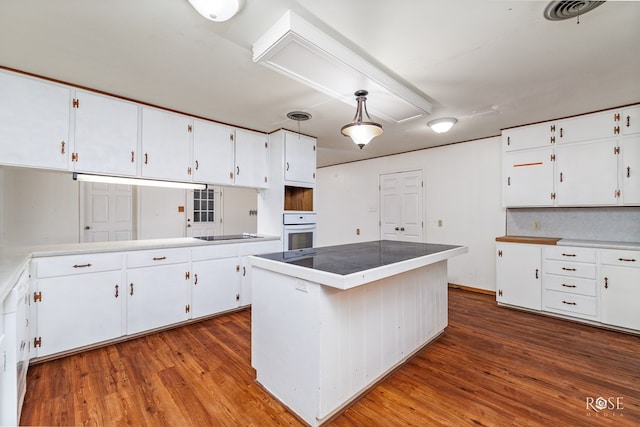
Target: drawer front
572, 269
573, 285
569, 253
157, 257
201, 253
621, 258
570, 304
77, 264
259, 248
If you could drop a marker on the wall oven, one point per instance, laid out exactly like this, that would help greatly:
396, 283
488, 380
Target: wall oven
299, 231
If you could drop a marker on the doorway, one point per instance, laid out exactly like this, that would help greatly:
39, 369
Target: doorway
106, 212
401, 211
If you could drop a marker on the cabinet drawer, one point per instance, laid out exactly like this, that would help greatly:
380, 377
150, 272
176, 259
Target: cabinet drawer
572, 269
77, 264
569, 253
571, 304
573, 285
201, 253
157, 257
621, 258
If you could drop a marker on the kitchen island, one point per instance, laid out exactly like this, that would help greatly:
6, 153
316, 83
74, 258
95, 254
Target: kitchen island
327, 324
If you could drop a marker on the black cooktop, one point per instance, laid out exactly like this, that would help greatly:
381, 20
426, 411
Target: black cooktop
228, 237
355, 257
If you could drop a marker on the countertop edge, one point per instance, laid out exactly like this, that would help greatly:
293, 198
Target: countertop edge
529, 239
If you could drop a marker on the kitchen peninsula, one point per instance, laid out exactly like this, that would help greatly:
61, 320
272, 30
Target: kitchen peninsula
329, 323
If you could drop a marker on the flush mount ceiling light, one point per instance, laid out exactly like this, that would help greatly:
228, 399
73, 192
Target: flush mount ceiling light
442, 125
136, 181
361, 131
297, 49
217, 10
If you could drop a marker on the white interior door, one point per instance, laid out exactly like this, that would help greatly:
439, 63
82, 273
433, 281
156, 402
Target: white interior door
401, 212
106, 212
204, 212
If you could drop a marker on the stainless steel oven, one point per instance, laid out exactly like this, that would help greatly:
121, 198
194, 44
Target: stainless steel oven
299, 231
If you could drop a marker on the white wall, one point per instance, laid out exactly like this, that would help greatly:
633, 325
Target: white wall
39, 207
462, 187
158, 214
236, 204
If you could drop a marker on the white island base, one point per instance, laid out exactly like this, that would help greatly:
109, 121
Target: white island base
317, 348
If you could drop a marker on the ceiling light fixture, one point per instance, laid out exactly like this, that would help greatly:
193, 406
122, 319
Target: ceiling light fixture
217, 10
136, 181
442, 125
361, 131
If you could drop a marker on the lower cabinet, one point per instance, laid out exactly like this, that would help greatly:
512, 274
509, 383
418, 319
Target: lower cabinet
215, 286
619, 282
518, 275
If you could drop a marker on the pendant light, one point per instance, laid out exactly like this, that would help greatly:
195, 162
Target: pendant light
361, 131
217, 10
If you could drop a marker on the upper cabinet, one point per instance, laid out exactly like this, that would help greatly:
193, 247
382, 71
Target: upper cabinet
166, 145
589, 160
252, 159
213, 152
34, 122
106, 134
300, 158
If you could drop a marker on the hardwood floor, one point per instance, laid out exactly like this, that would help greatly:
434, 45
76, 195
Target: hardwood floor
492, 367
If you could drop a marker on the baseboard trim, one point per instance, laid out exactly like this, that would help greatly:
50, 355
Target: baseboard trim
471, 289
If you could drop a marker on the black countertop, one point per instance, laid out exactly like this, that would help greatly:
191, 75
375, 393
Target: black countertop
356, 257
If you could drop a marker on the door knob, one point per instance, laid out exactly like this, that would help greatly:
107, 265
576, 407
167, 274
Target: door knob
86, 227
397, 228
401, 228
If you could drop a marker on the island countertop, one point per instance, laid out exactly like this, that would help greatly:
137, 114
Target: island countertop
350, 265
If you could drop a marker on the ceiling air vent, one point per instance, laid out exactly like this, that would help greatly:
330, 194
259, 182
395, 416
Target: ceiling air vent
567, 9
299, 116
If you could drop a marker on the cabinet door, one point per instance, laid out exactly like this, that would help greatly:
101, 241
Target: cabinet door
620, 296
300, 158
215, 286
528, 177
531, 136
106, 135
156, 296
252, 159
630, 120
34, 122
588, 127
630, 163
166, 145
78, 310
518, 275
213, 151
587, 174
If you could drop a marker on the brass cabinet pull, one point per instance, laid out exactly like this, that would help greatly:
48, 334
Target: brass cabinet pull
561, 132
287, 165
237, 170
561, 177
196, 165
244, 271
195, 276
117, 291
628, 171
628, 121
606, 283
568, 269
81, 265
62, 144
131, 287
508, 180
537, 273
508, 140
133, 156
568, 254
568, 286
146, 158
569, 303
627, 259
162, 258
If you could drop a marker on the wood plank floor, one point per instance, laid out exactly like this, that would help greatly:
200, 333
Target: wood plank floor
492, 367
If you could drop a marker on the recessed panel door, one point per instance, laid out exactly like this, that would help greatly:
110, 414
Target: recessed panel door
401, 209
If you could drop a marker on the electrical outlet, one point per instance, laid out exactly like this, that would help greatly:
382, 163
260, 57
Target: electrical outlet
357, 231
439, 223
536, 225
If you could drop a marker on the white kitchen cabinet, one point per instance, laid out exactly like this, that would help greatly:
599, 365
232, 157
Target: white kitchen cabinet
213, 152
252, 159
530, 136
588, 127
78, 300
14, 348
619, 282
166, 145
518, 274
630, 170
34, 122
106, 134
215, 286
247, 249
528, 177
157, 288
300, 158
630, 120
587, 173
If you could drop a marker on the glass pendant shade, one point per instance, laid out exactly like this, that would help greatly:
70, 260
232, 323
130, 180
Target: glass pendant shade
217, 10
360, 130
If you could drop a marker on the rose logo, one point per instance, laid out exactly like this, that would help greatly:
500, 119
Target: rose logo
601, 403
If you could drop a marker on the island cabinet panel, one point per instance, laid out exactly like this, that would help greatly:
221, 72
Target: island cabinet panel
342, 341
34, 122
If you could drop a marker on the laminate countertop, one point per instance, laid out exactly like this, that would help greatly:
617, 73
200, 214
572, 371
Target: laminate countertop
559, 241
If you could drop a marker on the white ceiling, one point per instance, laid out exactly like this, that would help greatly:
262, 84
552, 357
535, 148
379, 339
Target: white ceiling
491, 64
